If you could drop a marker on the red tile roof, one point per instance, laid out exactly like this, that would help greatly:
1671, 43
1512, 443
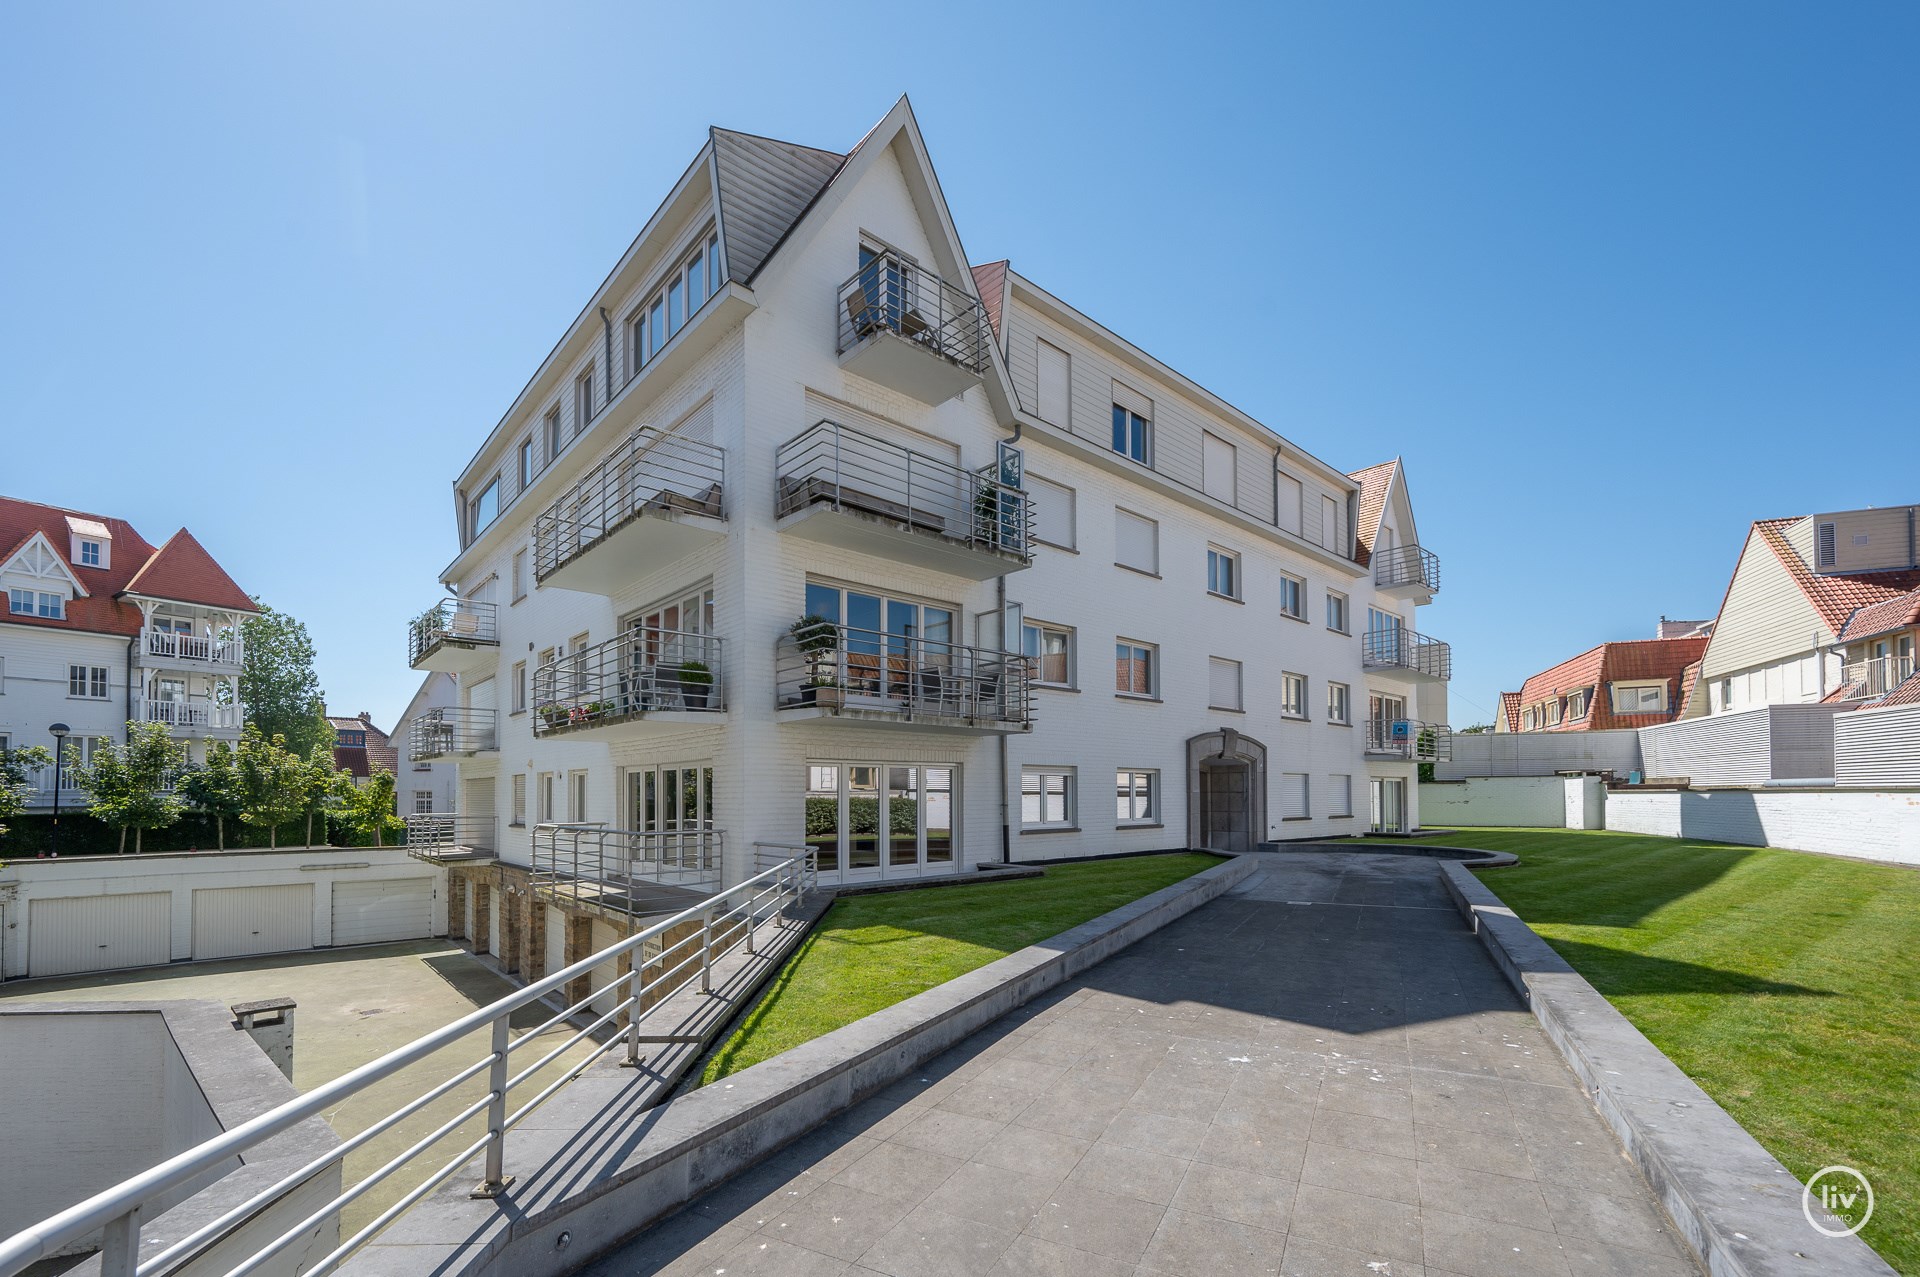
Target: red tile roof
991, 279
1908, 693
1633, 660
180, 570
1689, 684
1835, 598
1896, 613
1374, 483
1510, 710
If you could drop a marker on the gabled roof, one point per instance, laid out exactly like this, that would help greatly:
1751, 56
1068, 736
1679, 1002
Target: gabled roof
1632, 660
1908, 693
1510, 710
1689, 683
990, 280
1896, 613
1834, 597
183, 570
764, 187
1375, 483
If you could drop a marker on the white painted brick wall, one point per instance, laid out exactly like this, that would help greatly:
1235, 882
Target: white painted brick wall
1869, 824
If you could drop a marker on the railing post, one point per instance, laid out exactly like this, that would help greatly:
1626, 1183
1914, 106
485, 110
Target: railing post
706, 950
497, 1178
639, 973
120, 1246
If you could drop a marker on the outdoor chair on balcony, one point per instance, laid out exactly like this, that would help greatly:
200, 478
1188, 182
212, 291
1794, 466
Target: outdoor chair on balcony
669, 502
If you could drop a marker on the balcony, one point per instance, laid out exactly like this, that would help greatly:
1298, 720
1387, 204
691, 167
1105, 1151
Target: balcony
1404, 654
839, 673
659, 676
445, 838
452, 732
165, 649
655, 498
1407, 571
192, 718
1874, 678
453, 635
1414, 741
904, 327
843, 487
627, 873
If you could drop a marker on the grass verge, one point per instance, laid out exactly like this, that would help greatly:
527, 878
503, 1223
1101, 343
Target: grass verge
1787, 984
870, 952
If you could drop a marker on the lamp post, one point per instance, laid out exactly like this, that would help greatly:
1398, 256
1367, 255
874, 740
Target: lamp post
59, 731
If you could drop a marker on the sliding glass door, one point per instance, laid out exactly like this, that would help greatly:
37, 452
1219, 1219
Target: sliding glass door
889, 642
869, 821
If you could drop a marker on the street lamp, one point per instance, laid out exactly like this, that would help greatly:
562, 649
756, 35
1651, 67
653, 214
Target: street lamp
59, 731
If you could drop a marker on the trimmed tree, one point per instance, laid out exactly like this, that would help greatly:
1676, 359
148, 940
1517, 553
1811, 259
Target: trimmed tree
368, 809
277, 682
320, 792
124, 783
214, 788
17, 767
273, 782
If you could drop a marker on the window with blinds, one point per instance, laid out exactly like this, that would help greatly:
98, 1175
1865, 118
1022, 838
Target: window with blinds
1136, 542
1219, 468
1053, 511
1293, 796
1223, 683
1292, 502
1339, 795
1055, 378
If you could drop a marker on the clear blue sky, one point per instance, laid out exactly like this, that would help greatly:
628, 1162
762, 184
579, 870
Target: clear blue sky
1614, 279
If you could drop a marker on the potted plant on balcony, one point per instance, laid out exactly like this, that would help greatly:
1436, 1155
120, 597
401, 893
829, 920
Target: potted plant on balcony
695, 680
817, 639
552, 714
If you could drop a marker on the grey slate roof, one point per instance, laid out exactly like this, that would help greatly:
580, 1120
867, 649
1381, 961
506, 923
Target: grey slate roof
764, 187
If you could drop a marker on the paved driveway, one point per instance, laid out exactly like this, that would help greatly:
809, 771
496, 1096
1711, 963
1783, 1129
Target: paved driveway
1320, 1073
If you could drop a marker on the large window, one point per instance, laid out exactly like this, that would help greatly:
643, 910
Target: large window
656, 321
37, 603
1137, 797
881, 819
1051, 649
485, 508
1293, 597
1046, 797
889, 640
1639, 698
1223, 572
1136, 669
1131, 434
89, 681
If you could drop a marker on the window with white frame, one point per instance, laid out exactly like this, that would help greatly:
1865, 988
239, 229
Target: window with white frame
1339, 795
88, 681
1293, 695
526, 463
583, 400
1527, 719
1640, 698
519, 688
1223, 683
423, 802
93, 553
1577, 703
484, 509
1219, 468
1053, 511
1047, 797
551, 425
1136, 668
39, 603
1339, 703
519, 816
1132, 433
1137, 796
546, 792
1336, 611
656, 321
1054, 383
1552, 712
1136, 542
1293, 597
1223, 572
519, 575
1294, 804
1050, 647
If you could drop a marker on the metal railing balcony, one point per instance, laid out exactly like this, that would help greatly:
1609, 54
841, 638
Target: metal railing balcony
1404, 651
649, 472
451, 626
839, 668
1406, 567
1876, 676
621, 869
893, 295
642, 671
441, 836
846, 469
165, 646
191, 715
475, 1089
452, 731
1410, 739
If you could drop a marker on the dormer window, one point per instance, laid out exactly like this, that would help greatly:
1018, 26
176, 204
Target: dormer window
93, 554
92, 544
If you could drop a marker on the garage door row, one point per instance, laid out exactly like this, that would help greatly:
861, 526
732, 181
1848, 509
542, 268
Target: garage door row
71, 934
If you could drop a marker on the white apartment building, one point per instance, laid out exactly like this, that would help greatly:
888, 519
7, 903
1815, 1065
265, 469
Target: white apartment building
428, 738
100, 628
810, 533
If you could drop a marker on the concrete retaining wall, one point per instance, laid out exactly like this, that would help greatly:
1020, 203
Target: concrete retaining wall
1539, 754
1535, 802
1870, 824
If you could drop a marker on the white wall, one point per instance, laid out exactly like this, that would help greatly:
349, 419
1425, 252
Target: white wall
1532, 802
1869, 824
1540, 754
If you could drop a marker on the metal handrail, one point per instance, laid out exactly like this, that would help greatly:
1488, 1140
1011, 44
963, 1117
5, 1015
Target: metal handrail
460, 622
1422, 742
609, 868
433, 835
450, 730
1407, 565
728, 919
838, 667
848, 469
651, 471
893, 295
1875, 676
1404, 649
642, 670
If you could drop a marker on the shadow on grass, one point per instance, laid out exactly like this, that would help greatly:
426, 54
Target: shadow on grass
1625, 973
1644, 880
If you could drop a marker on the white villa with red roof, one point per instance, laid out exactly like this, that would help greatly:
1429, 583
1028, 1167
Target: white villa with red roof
101, 628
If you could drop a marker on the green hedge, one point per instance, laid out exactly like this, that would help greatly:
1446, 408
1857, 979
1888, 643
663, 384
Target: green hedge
863, 816
82, 835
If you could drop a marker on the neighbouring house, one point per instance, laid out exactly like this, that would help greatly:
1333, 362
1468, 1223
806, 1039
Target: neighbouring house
1626, 684
360, 749
429, 735
810, 533
101, 628
1820, 608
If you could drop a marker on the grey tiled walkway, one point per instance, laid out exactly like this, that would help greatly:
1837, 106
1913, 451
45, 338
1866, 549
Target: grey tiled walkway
1320, 1073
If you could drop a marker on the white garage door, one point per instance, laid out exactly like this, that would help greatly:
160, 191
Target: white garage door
97, 933
383, 909
234, 922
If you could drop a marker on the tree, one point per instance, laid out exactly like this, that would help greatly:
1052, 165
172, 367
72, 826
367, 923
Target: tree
277, 683
368, 809
273, 781
1478, 729
16, 776
124, 783
214, 788
319, 790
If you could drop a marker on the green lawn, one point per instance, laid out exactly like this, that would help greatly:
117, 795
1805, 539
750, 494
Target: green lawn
870, 952
1786, 984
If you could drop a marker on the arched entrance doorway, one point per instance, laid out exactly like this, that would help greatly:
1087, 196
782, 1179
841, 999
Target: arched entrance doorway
1226, 791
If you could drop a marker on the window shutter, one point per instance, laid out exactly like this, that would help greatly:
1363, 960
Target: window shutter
1340, 796
1053, 513
1055, 386
1223, 683
1330, 530
1291, 502
1218, 463
1133, 401
1827, 551
1136, 542
1293, 795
